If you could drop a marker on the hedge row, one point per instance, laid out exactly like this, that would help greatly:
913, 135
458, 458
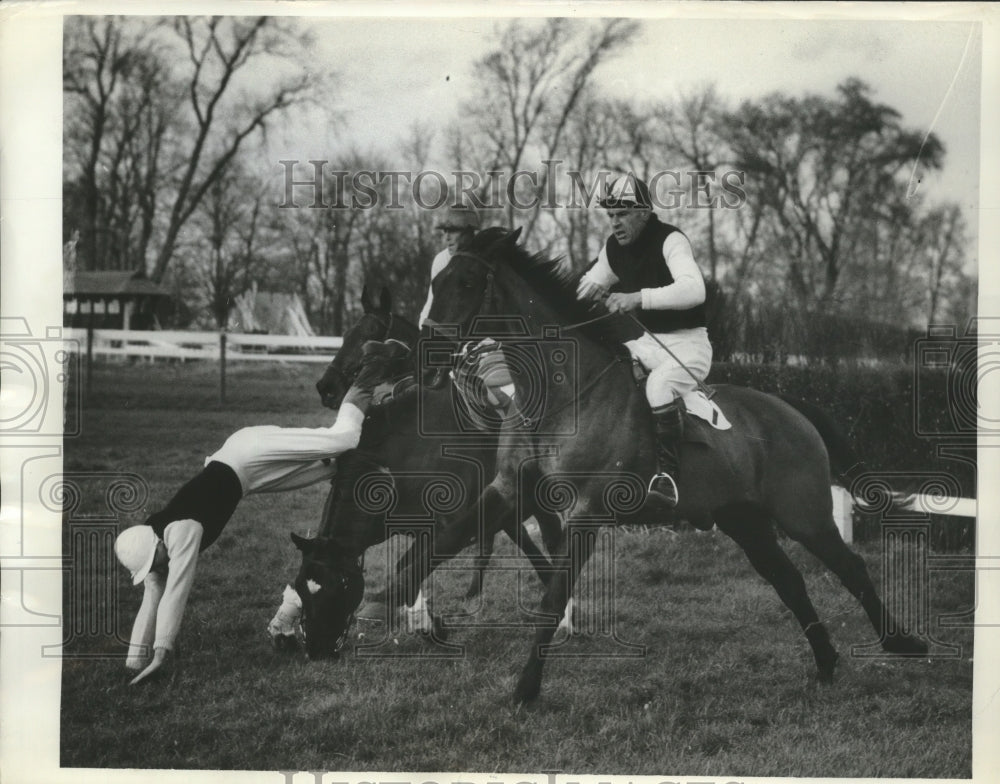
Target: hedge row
896, 420
766, 331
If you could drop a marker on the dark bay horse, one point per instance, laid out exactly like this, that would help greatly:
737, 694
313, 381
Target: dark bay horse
402, 468
770, 470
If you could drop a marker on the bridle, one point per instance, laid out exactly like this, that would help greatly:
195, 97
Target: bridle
487, 300
351, 617
342, 377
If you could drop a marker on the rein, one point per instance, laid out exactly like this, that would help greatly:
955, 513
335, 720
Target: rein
589, 386
342, 376
609, 314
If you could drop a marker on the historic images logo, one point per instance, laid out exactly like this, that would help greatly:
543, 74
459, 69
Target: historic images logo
313, 185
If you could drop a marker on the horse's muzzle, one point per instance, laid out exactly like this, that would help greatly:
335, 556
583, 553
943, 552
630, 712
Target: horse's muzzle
330, 401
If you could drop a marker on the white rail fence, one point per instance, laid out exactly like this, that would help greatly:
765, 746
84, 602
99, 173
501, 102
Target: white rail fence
175, 344
843, 508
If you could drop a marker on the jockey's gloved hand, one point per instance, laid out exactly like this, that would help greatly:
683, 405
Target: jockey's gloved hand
587, 289
382, 362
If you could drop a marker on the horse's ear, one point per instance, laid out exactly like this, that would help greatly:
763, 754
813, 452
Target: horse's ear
304, 545
507, 240
385, 300
366, 300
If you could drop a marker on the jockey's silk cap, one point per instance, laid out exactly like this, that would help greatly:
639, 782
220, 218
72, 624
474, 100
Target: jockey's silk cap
458, 217
626, 191
136, 549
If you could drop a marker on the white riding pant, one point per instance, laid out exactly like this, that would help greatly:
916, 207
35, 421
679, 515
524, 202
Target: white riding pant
667, 379
269, 459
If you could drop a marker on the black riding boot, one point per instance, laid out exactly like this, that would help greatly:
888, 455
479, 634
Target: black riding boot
669, 423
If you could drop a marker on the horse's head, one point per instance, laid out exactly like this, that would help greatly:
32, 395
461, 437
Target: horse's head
466, 288
331, 585
377, 323
330, 581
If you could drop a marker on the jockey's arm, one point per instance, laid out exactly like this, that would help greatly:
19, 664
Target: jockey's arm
439, 263
182, 539
596, 281
144, 628
688, 288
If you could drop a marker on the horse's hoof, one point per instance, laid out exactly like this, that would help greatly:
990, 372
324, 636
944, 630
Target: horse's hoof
285, 643
527, 691
904, 644
438, 630
825, 670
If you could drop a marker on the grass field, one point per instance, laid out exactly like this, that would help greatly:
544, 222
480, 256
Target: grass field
725, 686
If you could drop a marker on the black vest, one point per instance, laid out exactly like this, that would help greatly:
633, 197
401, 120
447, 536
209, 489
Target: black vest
210, 498
641, 266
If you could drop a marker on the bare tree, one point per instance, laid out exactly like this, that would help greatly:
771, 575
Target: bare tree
528, 88
119, 106
219, 50
593, 141
226, 256
149, 132
819, 165
692, 136
943, 239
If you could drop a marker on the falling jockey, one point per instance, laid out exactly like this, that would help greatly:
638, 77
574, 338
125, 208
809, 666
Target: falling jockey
163, 553
649, 268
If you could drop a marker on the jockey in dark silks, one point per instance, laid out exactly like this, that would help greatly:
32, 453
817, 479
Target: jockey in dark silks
650, 269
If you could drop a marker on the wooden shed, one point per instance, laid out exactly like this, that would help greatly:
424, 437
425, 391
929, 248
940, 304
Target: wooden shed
112, 299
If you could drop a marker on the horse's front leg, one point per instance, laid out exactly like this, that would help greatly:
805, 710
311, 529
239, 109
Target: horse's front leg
482, 560
419, 562
555, 603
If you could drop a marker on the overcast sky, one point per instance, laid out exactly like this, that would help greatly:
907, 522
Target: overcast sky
395, 72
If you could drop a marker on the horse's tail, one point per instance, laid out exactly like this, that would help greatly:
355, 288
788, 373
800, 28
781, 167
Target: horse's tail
845, 464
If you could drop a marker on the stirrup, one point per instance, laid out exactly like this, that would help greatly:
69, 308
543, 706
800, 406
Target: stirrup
672, 500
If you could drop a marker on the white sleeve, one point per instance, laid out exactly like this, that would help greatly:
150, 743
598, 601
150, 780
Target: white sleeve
350, 420
305, 444
439, 263
182, 538
688, 288
141, 645
600, 274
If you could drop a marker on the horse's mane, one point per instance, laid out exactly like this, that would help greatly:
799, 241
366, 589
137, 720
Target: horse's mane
556, 282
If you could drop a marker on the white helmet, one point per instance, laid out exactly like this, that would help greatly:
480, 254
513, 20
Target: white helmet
136, 549
627, 191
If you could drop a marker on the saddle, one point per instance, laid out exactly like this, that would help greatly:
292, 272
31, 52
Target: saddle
696, 405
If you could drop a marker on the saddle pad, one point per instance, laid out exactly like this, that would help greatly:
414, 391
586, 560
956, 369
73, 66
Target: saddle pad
700, 406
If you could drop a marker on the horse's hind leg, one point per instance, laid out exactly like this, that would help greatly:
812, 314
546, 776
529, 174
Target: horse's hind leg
827, 545
750, 527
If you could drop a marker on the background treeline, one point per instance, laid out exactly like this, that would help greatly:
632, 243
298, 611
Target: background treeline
833, 253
